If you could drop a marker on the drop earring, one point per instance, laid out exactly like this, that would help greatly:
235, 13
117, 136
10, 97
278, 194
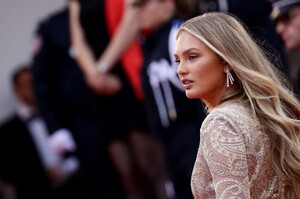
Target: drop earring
229, 77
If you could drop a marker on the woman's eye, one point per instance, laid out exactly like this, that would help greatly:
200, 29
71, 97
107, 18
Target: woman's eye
192, 57
177, 61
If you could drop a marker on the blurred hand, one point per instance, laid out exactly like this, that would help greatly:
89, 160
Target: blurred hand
106, 84
62, 142
63, 170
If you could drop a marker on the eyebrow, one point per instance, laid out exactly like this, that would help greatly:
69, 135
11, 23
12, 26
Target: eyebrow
187, 51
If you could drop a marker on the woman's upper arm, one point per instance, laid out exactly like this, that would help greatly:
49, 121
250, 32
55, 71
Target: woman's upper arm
76, 29
224, 149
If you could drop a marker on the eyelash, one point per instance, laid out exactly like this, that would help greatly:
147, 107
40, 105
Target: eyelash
190, 58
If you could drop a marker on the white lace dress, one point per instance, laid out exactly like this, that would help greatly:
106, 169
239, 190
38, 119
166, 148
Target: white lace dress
233, 160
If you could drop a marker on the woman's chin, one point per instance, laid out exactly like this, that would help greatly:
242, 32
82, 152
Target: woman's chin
190, 95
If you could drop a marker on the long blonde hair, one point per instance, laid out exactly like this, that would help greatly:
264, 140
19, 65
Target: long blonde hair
260, 84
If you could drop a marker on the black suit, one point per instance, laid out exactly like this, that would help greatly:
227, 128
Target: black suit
20, 163
65, 101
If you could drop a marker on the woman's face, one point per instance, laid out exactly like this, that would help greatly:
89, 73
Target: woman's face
200, 70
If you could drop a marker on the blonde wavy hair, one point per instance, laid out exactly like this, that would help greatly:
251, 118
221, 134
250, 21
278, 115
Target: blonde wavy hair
260, 84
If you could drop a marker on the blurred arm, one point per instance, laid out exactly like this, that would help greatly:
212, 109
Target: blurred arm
45, 87
83, 53
124, 35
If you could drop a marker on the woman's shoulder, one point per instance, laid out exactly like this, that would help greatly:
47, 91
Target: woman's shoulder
230, 110
236, 115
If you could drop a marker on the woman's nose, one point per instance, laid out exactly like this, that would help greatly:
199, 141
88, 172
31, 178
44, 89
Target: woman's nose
181, 69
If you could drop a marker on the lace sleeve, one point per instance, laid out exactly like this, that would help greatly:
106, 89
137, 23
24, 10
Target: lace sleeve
224, 149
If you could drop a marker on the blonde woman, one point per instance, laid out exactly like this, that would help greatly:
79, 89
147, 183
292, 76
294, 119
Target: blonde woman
249, 142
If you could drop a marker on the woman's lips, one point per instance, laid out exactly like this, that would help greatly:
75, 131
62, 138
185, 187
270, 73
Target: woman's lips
186, 83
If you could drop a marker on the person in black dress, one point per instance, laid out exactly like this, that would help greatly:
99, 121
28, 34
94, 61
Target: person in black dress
121, 113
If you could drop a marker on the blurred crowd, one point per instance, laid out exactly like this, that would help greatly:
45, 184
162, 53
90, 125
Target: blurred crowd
101, 113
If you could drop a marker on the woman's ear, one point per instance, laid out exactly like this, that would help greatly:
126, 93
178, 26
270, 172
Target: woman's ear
226, 66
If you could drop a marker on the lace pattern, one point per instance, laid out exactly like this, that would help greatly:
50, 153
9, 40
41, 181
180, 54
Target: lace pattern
233, 159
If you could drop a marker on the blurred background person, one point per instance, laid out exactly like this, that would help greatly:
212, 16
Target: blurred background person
136, 155
21, 164
172, 118
286, 14
28, 162
69, 107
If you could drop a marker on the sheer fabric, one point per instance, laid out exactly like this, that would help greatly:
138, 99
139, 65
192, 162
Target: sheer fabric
233, 159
